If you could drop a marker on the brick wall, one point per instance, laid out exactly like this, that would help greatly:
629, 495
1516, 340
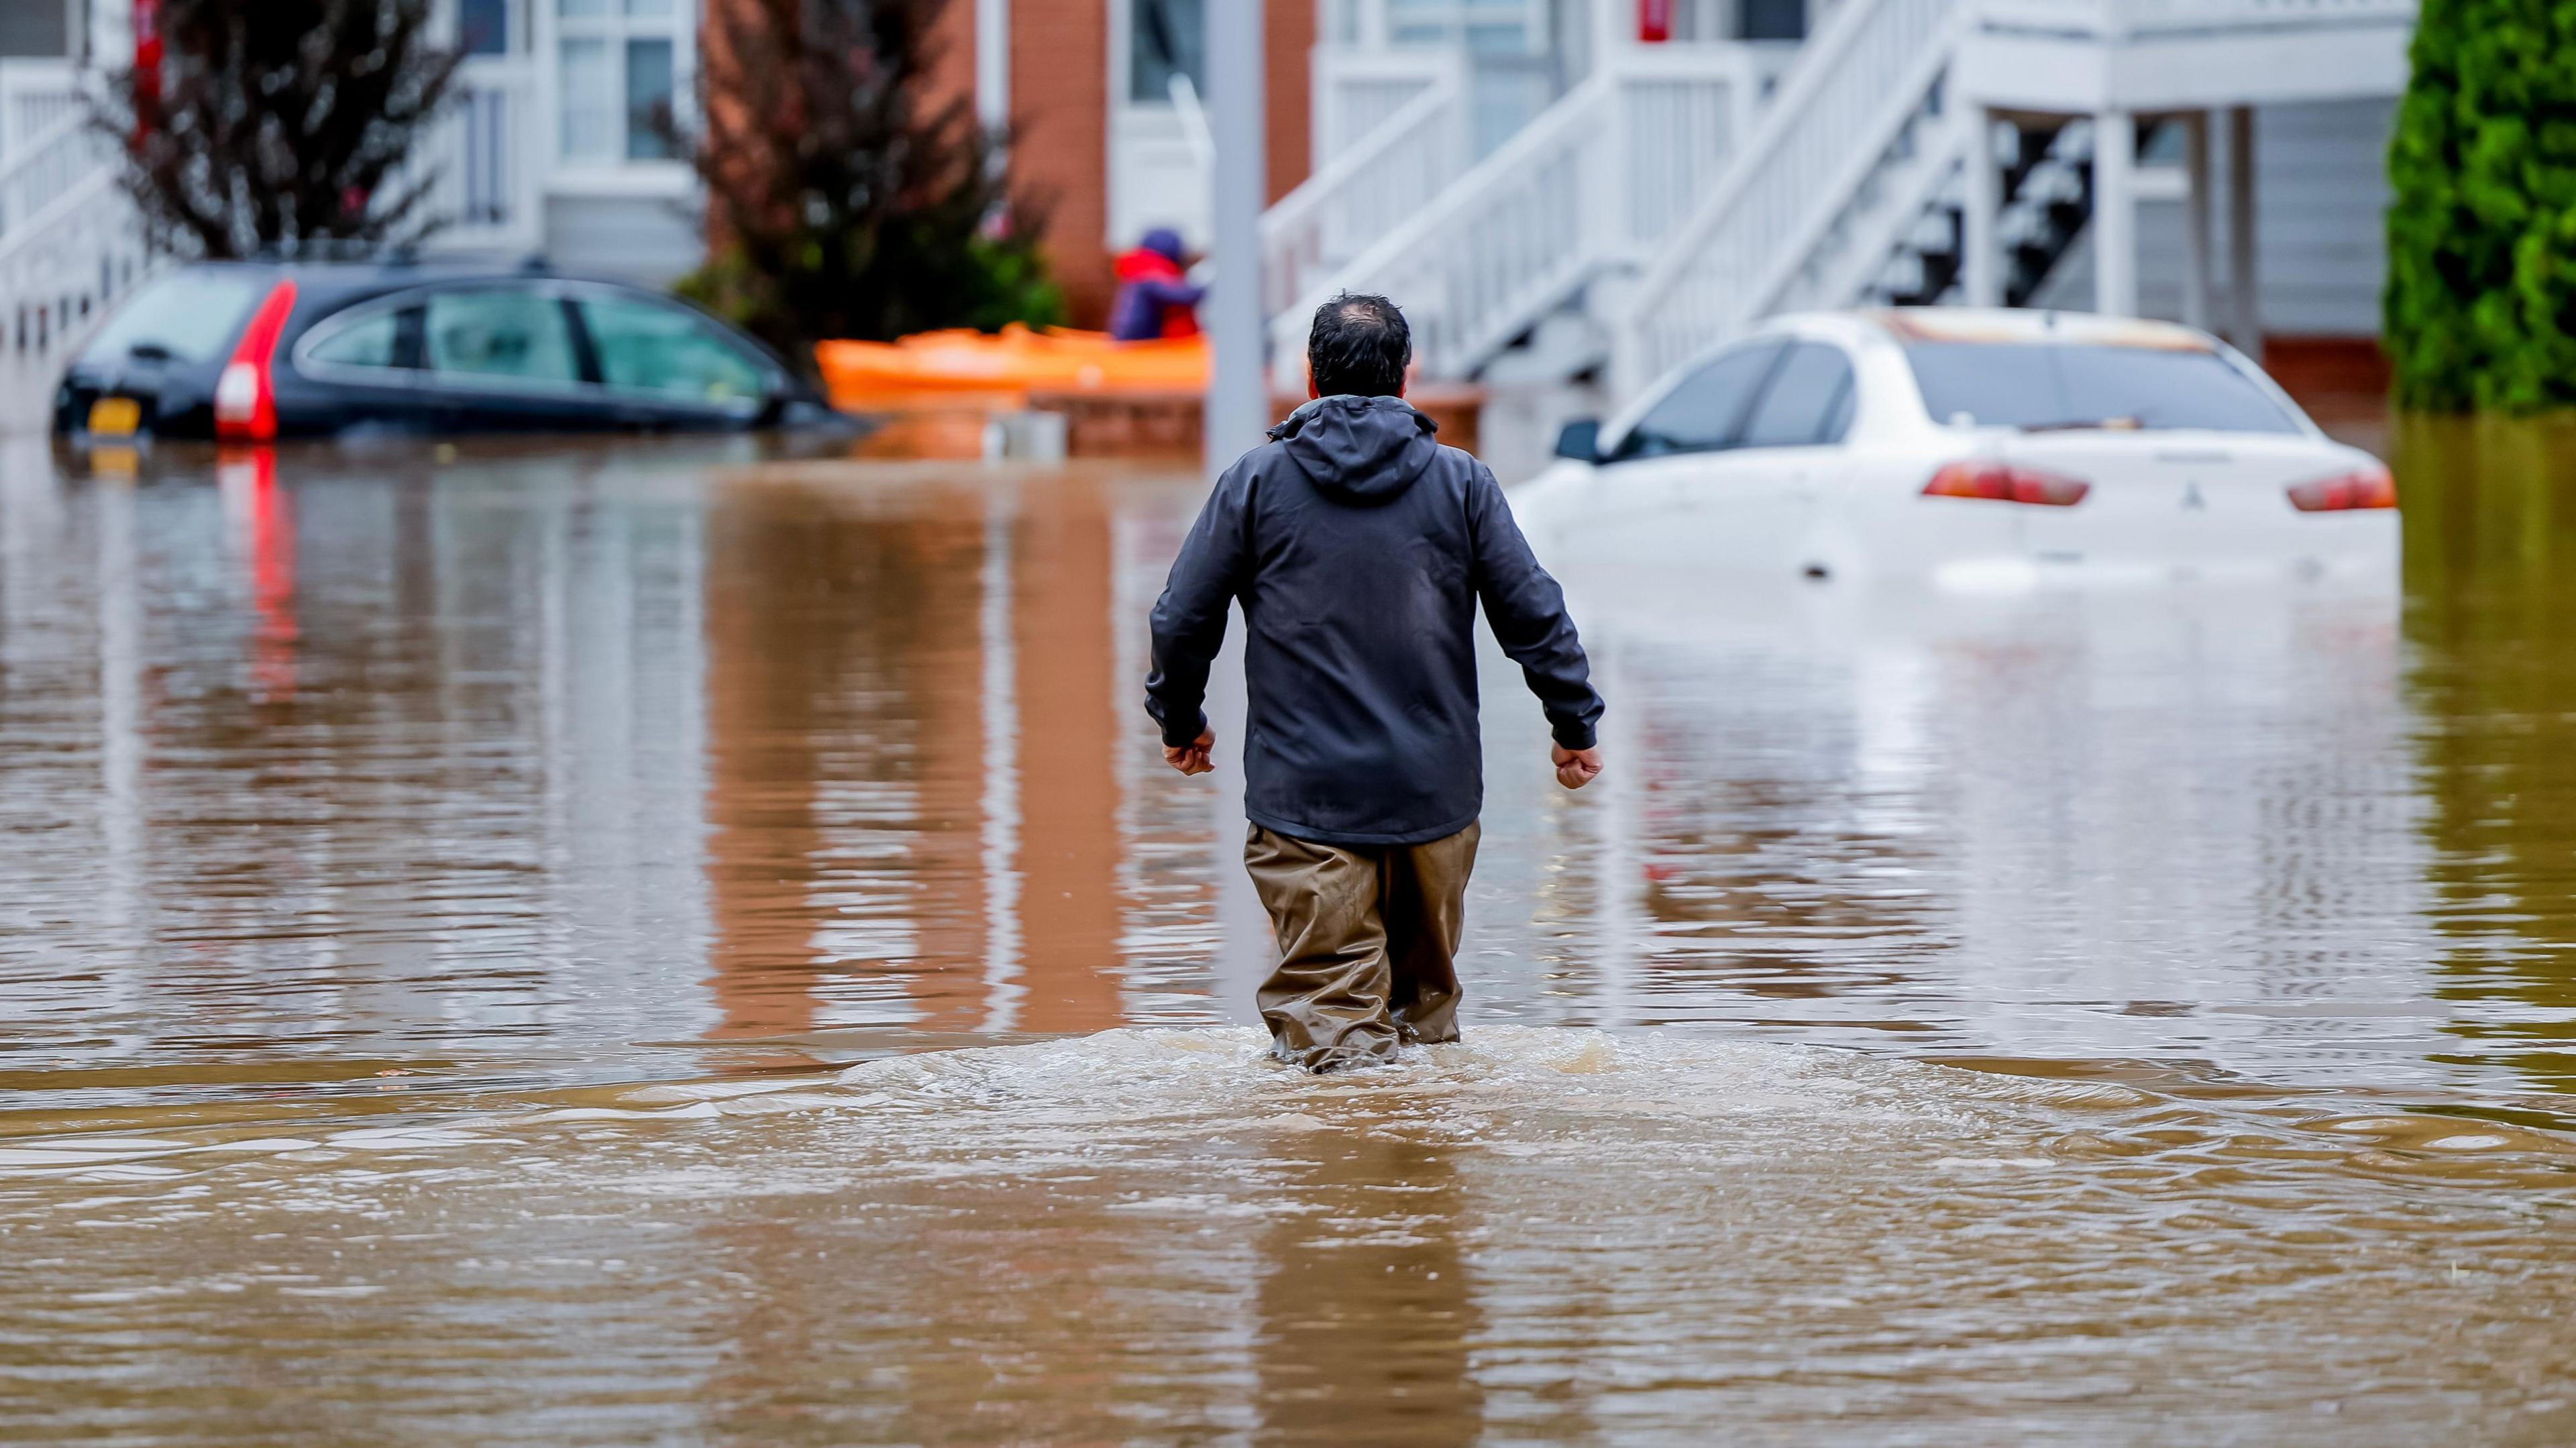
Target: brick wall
1060, 111
1288, 90
1060, 107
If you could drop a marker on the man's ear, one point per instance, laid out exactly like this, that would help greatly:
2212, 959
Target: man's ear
1311, 392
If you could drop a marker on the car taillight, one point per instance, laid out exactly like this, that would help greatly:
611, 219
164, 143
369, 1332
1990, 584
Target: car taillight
2370, 487
245, 399
2003, 483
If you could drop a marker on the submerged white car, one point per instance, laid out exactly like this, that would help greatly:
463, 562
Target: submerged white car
1970, 447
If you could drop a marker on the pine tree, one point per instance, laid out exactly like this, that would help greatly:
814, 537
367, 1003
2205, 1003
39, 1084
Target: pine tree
282, 125
2480, 308
844, 200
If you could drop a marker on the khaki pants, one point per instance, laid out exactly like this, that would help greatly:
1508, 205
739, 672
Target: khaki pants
1368, 944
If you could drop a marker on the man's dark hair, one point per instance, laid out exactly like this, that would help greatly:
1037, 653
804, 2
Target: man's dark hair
1360, 346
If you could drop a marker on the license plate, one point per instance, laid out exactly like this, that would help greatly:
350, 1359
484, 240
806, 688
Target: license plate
115, 417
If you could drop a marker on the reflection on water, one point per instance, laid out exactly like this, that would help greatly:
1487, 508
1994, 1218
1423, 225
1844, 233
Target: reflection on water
443, 896
2491, 587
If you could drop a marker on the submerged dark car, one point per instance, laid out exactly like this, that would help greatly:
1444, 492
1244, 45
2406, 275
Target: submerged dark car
246, 351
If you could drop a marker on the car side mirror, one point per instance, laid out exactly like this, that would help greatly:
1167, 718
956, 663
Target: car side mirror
1580, 440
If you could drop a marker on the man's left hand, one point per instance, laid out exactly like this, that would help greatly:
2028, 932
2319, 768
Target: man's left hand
1575, 768
1193, 757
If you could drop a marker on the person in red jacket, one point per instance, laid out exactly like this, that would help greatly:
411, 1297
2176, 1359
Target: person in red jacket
1155, 297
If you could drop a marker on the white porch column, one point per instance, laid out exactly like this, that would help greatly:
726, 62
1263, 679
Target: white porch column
993, 63
1981, 263
2195, 220
2245, 310
2115, 214
1238, 400
1372, 25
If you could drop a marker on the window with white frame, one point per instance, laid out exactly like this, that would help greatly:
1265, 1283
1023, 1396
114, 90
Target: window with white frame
1167, 38
618, 71
483, 27
1487, 25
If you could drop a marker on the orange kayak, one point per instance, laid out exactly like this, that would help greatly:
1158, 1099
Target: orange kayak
1002, 369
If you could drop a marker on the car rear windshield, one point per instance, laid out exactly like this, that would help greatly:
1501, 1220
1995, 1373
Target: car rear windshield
190, 315
2073, 385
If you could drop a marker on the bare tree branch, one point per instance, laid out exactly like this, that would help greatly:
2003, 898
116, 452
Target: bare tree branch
283, 125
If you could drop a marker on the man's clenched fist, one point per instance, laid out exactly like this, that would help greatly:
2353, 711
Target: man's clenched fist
1575, 768
1192, 758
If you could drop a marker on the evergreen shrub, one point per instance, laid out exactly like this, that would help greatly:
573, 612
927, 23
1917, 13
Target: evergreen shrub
2480, 307
848, 196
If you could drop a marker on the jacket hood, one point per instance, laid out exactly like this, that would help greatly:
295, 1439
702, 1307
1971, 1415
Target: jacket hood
1359, 449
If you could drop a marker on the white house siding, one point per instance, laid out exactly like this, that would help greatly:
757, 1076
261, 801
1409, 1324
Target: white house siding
2321, 193
648, 240
35, 27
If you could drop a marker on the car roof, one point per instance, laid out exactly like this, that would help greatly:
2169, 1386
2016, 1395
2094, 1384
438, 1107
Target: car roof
1996, 325
331, 282
2032, 326
1863, 329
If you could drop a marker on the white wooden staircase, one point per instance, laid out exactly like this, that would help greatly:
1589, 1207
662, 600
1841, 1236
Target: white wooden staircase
1938, 150
1479, 251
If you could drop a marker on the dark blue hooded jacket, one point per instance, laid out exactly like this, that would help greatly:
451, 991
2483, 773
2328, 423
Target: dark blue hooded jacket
1359, 548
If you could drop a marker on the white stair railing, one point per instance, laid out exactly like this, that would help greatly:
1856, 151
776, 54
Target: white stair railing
70, 245
48, 164
1919, 170
1847, 97
62, 267
1597, 180
1363, 193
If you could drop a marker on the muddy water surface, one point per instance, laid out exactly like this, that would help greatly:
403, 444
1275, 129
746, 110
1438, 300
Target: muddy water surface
661, 945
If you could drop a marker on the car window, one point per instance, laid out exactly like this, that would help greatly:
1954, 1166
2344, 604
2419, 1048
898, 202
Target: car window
370, 341
658, 350
2069, 384
1804, 392
1702, 411
516, 333
191, 315
1838, 416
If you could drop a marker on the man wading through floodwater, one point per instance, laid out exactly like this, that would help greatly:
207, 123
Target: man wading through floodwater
1359, 548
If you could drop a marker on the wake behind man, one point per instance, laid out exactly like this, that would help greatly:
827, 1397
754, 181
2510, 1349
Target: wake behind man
1359, 549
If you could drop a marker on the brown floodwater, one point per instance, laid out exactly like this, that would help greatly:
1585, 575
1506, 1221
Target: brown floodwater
660, 943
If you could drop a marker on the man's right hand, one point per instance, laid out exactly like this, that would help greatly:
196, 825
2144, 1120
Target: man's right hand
1575, 768
1193, 757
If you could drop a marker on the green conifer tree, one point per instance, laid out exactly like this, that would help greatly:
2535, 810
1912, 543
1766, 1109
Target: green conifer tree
848, 199
2480, 308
